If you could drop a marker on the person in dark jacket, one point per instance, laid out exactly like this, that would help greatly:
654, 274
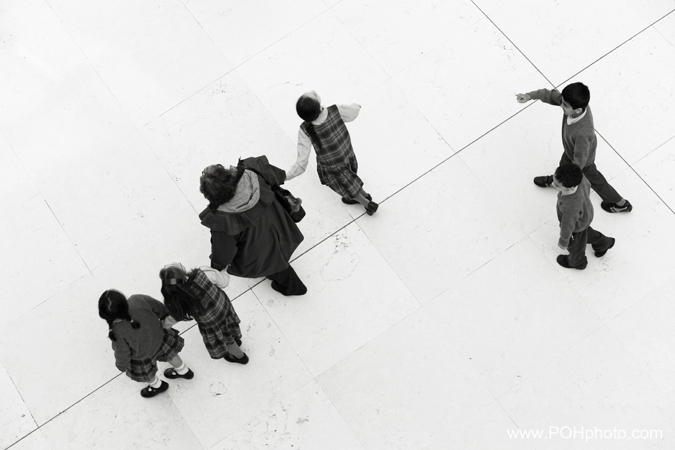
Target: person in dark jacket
252, 235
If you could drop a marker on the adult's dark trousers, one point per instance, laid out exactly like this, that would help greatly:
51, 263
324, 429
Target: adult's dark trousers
577, 246
598, 181
289, 282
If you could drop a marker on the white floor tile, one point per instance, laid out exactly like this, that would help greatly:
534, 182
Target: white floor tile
402, 389
35, 50
17, 184
332, 62
634, 123
34, 441
16, 420
657, 170
59, 352
420, 27
117, 199
393, 142
65, 125
39, 258
223, 396
512, 332
646, 330
487, 429
596, 385
218, 125
456, 88
457, 229
151, 56
666, 27
327, 324
116, 416
306, 419
562, 42
228, 23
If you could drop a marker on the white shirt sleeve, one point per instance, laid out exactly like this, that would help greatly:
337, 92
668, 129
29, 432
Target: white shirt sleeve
219, 278
349, 112
304, 148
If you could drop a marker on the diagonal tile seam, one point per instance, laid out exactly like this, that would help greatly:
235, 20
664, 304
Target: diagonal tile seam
630, 167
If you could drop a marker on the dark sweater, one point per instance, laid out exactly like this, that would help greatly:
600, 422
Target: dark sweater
575, 212
579, 139
143, 342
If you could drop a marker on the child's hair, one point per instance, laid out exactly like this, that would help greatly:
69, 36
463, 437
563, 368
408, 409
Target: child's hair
569, 175
308, 108
113, 305
577, 95
219, 184
178, 300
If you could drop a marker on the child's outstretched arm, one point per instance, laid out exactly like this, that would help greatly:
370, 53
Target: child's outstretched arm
349, 112
304, 148
545, 95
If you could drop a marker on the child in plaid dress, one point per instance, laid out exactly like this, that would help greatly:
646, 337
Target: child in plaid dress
140, 337
325, 130
198, 295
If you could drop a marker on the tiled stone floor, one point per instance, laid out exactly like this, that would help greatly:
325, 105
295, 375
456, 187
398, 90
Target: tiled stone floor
442, 322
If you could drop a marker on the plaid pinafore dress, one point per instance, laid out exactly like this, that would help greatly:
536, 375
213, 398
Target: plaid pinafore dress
219, 323
335, 159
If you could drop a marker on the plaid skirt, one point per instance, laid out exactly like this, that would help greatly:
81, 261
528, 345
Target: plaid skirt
342, 179
144, 370
217, 338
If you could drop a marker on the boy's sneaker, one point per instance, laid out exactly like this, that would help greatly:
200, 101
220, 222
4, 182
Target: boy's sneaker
545, 181
602, 252
614, 208
149, 391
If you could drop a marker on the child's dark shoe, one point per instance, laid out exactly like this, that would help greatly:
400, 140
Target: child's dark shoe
149, 391
602, 252
172, 374
614, 208
371, 208
563, 260
349, 201
230, 358
544, 182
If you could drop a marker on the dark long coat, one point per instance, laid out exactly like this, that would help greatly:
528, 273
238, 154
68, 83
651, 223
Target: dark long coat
257, 242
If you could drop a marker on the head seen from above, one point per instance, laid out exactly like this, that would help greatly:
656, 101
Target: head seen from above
567, 177
219, 184
575, 98
309, 106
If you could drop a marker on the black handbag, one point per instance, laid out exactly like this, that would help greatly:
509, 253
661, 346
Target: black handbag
288, 201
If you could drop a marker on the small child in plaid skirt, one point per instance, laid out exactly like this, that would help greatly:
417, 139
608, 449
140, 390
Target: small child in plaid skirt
199, 295
325, 130
140, 337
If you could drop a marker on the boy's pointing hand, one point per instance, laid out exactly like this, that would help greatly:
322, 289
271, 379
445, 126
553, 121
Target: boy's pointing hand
523, 98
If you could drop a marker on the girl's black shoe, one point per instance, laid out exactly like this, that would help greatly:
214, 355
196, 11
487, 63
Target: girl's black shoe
172, 374
149, 391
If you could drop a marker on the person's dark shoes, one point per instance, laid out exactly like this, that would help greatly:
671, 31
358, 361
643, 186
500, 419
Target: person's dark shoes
563, 260
544, 182
149, 391
602, 252
277, 287
351, 201
614, 208
171, 374
371, 208
230, 358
